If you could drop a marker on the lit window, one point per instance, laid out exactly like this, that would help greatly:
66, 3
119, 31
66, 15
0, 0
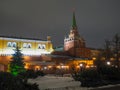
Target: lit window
14, 44
9, 44
29, 45
43, 46
24, 45
39, 46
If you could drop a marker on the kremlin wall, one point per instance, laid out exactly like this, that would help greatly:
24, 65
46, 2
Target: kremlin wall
40, 55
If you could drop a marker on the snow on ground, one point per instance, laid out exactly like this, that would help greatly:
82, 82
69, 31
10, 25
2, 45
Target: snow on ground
55, 82
61, 83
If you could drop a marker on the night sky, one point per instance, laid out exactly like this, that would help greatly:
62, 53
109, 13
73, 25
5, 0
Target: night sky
97, 20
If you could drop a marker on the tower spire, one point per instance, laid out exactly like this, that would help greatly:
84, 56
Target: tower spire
74, 25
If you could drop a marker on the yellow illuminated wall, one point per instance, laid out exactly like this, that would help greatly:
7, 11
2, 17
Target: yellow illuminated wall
28, 47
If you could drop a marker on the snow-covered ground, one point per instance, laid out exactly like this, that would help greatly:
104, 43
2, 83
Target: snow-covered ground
56, 83
61, 83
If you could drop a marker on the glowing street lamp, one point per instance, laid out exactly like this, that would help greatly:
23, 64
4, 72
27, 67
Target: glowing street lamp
45, 68
108, 63
81, 65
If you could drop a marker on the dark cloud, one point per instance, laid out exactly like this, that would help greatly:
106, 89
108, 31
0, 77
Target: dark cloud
97, 20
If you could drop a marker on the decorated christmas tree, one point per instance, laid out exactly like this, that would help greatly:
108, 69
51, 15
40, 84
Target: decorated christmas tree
16, 66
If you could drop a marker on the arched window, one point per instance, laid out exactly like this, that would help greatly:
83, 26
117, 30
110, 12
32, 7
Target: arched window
24, 45
43, 46
39, 46
29, 45
9, 44
14, 44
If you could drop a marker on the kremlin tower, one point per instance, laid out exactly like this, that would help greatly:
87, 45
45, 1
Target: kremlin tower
74, 44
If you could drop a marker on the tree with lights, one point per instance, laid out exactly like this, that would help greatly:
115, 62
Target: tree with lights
16, 66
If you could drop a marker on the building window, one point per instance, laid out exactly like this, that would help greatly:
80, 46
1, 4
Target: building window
9, 44
43, 46
14, 44
40, 46
29, 45
24, 45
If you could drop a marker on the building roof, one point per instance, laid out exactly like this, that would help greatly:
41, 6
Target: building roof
20, 38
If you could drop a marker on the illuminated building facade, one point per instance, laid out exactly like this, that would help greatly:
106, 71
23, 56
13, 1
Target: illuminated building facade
28, 46
31, 48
